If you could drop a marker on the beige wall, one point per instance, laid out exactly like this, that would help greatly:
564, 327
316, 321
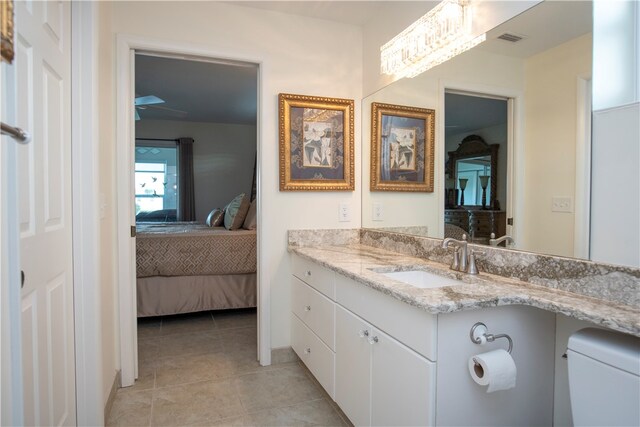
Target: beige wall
299, 55
551, 82
223, 158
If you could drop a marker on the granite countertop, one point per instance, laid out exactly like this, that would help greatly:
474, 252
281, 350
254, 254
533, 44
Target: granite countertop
365, 263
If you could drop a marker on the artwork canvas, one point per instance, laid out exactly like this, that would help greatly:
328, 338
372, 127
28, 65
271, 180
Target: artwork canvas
402, 145
316, 143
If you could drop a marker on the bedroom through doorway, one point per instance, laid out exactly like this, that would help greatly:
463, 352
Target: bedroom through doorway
195, 191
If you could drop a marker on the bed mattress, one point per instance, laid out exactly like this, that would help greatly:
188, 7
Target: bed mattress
185, 249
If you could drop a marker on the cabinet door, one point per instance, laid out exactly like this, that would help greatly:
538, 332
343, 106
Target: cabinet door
402, 384
353, 367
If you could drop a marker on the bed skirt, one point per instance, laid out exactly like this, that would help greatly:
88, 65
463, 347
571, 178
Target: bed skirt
159, 295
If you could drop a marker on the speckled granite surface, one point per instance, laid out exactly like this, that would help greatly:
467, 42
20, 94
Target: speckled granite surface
364, 263
602, 281
323, 237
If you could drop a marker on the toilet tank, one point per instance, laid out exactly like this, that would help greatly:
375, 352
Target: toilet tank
604, 378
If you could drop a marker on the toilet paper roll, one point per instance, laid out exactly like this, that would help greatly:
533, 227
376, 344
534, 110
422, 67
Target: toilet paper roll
495, 368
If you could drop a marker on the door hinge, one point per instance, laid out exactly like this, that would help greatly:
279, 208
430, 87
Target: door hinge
133, 231
509, 221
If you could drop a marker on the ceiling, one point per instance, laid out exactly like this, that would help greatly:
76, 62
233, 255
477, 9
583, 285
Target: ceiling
468, 113
197, 91
226, 92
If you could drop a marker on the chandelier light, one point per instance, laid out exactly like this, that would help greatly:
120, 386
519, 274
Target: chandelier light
439, 35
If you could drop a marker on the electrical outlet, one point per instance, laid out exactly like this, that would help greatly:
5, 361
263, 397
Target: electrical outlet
378, 212
561, 204
344, 213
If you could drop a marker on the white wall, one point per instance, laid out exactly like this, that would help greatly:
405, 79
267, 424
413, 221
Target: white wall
615, 180
551, 94
223, 158
298, 55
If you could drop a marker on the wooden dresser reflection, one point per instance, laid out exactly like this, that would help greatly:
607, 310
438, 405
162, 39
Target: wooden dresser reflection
478, 223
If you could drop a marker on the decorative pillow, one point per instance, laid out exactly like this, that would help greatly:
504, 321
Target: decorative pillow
251, 220
235, 212
215, 218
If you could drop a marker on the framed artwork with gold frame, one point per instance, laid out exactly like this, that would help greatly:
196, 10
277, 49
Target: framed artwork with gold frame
6, 30
402, 148
316, 143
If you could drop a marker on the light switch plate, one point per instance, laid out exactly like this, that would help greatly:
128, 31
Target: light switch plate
378, 212
344, 212
561, 204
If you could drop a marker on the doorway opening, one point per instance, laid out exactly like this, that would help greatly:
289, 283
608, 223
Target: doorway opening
477, 200
193, 192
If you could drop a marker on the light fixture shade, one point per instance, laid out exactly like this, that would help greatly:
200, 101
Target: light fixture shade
463, 183
484, 180
440, 34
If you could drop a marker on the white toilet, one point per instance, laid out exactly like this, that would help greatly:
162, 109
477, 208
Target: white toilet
604, 378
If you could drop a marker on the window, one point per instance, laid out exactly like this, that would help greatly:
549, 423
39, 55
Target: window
156, 189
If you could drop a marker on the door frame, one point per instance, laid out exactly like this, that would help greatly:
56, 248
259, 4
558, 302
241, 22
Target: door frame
126, 47
582, 228
86, 214
515, 147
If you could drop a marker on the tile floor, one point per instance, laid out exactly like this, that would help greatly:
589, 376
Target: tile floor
201, 370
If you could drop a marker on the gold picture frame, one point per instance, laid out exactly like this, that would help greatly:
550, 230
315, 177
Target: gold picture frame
402, 148
6, 30
316, 143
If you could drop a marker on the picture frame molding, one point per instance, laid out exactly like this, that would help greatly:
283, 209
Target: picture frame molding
428, 115
346, 106
6, 30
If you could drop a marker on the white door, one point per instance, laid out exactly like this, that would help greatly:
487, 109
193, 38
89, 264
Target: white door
353, 367
402, 384
43, 98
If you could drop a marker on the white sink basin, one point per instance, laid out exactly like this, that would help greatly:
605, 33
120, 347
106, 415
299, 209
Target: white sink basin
422, 279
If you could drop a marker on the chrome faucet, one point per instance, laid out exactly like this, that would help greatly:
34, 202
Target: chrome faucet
460, 255
495, 242
462, 260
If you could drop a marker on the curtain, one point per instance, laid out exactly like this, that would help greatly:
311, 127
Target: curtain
186, 197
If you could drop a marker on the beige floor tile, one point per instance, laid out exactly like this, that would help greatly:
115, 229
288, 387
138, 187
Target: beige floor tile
146, 377
187, 323
147, 349
239, 318
149, 327
278, 387
230, 422
187, 344
240, 339
192, 368
313, 413
131, 408
196, 403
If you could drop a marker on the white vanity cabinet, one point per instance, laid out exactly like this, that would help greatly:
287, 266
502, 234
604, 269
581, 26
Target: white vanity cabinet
380, 381
313, 320
369, 352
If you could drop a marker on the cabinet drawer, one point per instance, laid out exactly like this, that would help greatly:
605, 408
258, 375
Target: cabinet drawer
410, 325
315, 310
318, 277
314, 353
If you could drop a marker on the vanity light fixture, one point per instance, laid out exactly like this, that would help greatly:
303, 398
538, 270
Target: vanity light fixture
442, 33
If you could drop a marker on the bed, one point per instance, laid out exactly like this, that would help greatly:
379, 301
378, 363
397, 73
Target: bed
189, 267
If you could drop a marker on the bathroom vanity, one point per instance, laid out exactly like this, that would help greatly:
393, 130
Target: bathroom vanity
391, 352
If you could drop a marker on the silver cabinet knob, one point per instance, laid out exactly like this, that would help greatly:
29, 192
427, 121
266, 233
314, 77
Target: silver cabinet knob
307, 308
308, 273
373, 340
364, 333
307, 351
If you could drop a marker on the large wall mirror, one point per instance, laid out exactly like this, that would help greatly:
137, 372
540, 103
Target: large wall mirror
512, 117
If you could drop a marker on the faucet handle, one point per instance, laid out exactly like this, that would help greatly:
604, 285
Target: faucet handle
473, 267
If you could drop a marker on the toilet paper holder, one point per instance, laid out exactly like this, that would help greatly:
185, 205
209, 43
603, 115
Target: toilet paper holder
479, 334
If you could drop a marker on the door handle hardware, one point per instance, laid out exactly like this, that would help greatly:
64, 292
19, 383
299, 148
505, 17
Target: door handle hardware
16, 133
21, 279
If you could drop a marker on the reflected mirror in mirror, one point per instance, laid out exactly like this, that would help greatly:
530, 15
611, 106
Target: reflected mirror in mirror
537, 66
